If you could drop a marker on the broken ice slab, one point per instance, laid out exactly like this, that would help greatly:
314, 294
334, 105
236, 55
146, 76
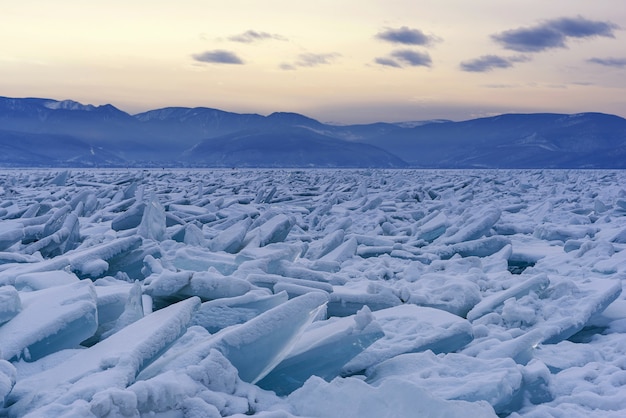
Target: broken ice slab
231, 239
574, 304
112, 363
270, 281
217, 314
432, 226
10, 303
254, 347
59, 241
44, 279
208, 285
92, 262
482, 247
10, 271
326, 244
130, 218
50, 320
11, 232
271, 231
341, 253
349, 299
536, 283
455, 293
501, 382
409, 329
324, 348
476, 226
153, 222
201, 259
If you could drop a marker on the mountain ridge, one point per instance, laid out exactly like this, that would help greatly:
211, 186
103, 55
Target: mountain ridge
67, 132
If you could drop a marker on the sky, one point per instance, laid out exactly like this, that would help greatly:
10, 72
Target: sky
339, 61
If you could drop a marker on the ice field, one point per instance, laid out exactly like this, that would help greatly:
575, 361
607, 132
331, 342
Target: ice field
312, 293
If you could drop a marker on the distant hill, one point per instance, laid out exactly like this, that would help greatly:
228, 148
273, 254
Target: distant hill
287, 147
46, 132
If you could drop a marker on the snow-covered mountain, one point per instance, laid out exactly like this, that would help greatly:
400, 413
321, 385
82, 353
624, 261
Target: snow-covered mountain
176, 136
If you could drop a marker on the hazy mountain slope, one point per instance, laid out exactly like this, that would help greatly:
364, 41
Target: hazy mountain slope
287, 147
514, 141
22, 149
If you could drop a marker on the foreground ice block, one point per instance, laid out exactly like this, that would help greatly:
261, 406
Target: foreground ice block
50, 320
353, 398
112, 363
8, 376
409, 329
324, 348
10, 303
456, 376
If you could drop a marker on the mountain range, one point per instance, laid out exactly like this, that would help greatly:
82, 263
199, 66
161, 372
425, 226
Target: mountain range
37, 132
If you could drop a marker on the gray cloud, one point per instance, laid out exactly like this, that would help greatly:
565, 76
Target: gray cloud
254, 36
553, 34
313, 60
218, 56
388, 62
490, 62
609, 62
412, 58
406, 36
286, 66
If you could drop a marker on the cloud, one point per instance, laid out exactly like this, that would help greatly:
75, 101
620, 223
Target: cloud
553, 34
218, 56
388, 62
609, 62
412, 58
405, 36
250, 36
489, 62
313, 60
287, 67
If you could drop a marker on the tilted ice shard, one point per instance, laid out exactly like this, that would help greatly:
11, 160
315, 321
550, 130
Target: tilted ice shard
409, 329
479, 224
231, 239
92, 262
50, 320
221, 313
112, 363
256, 346
324, 348
11, 232
576, 306
130, 218
488, 304
152, 224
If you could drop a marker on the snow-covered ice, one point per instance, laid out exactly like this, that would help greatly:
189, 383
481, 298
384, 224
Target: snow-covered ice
314, 293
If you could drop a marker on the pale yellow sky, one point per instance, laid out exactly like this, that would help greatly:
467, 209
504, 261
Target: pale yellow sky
343, 61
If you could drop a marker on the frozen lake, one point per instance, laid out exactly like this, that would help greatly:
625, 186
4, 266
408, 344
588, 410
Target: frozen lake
313, 293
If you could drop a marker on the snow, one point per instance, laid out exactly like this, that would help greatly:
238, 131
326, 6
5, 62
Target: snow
317, 293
